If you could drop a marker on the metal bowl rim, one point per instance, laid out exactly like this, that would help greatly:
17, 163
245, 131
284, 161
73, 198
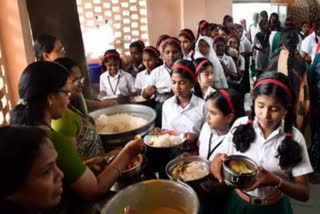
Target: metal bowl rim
150, 123
190, 190
187, 159
237, 157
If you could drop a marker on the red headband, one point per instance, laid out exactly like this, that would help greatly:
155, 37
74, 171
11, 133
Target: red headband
226, 96
110, 55
200, 65
185, 68
202, 25
275, 82
189, 35
171, 40
152, 49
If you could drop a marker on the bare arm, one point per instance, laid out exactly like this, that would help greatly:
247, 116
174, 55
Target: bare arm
297, 188
89, 186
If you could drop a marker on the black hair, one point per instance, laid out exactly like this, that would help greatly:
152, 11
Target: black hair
290, 39
275, 25
111, 54
222, 104
153, 52
227, 18
213, 26
273, 15
198, 71
236, 37
44, 43
19, 148
37, 81
67, 63
187, 33
137, 44
289, 151
219, 39
172, 41
161, 39
264, 15
225, 29
186, 74
262, 23
202, 25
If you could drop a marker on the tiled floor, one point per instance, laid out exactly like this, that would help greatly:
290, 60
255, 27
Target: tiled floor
310, 207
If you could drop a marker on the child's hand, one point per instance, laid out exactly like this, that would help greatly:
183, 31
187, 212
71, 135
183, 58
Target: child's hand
216, 164
264, 178
191, 138
151, 90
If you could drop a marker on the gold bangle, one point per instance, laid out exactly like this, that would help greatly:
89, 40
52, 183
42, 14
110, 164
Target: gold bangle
117, 168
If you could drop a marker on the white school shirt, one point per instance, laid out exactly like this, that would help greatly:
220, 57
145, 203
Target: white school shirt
230, 64
263, 152
209, 91
121, 84
253, 29
183, 120
160, 78
246, 44
204, 140
309, 45
141, 79
189, 56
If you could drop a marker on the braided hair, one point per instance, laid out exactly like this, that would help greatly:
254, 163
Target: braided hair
277, 86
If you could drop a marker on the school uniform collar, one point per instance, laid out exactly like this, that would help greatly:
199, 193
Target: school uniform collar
189, 54
315, 36
193, 102
145, 72
279, 130
118, 75
167, 68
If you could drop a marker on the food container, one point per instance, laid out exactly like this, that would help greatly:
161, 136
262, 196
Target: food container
195, 184
121, 138
132, 174
160, 156
243, 179
147, 197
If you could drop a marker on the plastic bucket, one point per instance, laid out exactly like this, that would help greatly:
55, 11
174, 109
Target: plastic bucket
94, 72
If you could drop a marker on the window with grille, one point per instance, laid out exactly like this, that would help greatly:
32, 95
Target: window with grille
5, 104
109, 24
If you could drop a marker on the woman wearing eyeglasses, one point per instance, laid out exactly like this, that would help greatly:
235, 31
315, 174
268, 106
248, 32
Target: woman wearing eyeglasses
44, 94
74, 124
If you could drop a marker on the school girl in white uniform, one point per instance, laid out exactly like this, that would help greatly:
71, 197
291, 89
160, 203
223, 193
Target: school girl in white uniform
184, 112
268, 138
224, 106
115, 81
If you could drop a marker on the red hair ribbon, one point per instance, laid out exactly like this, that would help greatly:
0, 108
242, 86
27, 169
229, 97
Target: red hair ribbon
202, 25
200, 65
250, 121
110, 55
152, 49
289, 134
275, 82
226, 96
171, 40
190, 37
185, 68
